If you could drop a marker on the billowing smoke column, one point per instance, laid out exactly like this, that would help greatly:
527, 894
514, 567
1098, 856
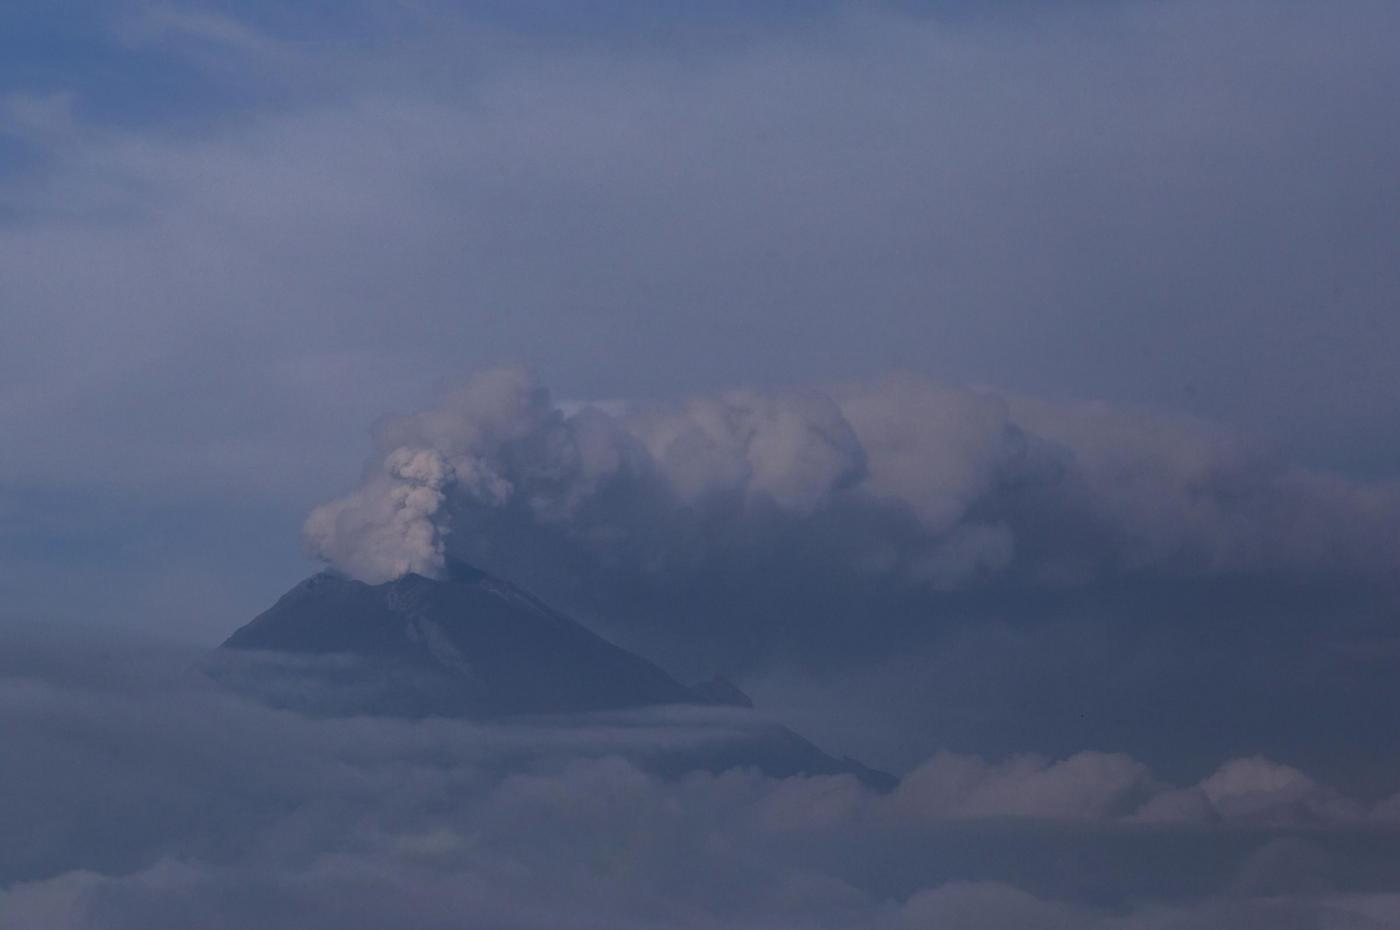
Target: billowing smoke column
900, 480
828, 530
386, 528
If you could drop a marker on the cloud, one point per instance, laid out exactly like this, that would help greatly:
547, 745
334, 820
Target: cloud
1256, 788
138, 795
894, 489
988, 906
900, 566
209, 293
390, 522
521, 201
1181, 205
1087, 786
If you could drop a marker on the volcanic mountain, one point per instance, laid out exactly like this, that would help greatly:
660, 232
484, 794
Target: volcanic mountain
473, 645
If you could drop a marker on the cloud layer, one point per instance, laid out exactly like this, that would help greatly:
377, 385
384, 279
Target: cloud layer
137, 795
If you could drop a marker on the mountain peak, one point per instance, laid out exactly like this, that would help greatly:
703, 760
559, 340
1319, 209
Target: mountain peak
474, 645
475, 641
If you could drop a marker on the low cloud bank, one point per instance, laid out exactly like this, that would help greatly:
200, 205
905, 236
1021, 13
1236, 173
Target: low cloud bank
137, 794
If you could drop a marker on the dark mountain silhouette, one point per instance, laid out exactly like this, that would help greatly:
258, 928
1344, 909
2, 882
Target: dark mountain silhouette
720, 690
473, 645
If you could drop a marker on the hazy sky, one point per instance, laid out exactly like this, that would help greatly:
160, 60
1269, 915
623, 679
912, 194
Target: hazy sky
235, 235
1002, 393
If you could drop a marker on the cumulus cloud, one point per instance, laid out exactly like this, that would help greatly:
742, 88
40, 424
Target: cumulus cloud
1086, 786
1258, 789
139, 795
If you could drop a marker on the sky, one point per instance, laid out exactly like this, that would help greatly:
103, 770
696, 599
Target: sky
236, 236
1003, 392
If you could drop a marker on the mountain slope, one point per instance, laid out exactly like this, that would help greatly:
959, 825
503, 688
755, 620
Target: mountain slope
476, 646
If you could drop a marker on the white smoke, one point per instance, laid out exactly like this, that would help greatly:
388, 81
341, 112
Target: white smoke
390, 526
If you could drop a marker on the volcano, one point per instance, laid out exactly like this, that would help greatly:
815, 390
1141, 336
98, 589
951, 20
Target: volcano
476, 646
